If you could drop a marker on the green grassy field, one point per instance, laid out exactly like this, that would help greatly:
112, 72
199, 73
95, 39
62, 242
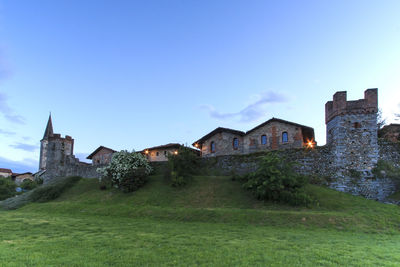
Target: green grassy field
211, 222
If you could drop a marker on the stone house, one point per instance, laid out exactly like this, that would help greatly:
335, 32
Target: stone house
221, 141
270, 135
160, 153
5, 172
390, 132
101, 156
20, 177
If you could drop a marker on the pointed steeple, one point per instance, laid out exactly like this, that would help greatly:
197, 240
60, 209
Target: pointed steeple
49, 129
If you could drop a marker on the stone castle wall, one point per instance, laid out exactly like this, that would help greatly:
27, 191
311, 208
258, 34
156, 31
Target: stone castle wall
318, 163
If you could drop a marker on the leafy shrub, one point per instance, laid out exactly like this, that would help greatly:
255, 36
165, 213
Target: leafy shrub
54, 190
276, 180
28, 184
7, 188
181, 166
127, 171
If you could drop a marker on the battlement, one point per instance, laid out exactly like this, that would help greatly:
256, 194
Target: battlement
340, 105
57, 136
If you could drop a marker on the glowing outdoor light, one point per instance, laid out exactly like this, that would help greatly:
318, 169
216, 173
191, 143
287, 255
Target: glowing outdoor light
310, 144
196, 145
176, 152
146, 152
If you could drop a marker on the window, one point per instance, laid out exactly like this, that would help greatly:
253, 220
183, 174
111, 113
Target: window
165, 152
263, 139
357, 125
235, 143
212, 147
158, 153
284, 137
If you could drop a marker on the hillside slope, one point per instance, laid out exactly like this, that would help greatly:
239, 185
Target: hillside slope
211, 222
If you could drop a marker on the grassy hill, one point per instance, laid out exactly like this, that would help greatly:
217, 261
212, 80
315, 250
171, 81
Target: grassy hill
212, 221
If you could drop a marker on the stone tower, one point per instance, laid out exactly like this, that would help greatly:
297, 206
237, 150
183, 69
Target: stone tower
54, 148
351, 131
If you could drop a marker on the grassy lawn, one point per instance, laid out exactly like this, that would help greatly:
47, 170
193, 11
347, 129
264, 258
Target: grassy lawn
210, 222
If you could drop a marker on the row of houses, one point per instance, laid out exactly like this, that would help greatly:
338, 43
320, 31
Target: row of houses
17, 177
271, 135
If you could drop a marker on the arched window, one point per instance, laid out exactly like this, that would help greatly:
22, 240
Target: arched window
235, 143
263, 139
212, 147
285, 137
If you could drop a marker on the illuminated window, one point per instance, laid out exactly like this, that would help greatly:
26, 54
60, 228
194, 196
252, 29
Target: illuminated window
235, 143
212, 147
284, 137
263, 139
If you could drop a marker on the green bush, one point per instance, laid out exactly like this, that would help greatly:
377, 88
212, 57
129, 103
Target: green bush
133, 180
127, 171
386, 169
276, 180
52, 191
28, 184
7, 188
181, 166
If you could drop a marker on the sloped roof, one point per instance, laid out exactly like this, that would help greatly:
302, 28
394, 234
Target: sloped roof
281, 121
5, 170
98, 149
216, 131
170, 145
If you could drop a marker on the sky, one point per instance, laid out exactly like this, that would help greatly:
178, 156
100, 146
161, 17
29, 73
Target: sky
136, 74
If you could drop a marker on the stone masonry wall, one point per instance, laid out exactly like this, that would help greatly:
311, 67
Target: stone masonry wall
273, 131
223, 145
353, 140
318, 162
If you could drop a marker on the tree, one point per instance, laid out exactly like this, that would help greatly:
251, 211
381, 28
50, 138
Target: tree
181, 166
127, 171
380, 121
276, 180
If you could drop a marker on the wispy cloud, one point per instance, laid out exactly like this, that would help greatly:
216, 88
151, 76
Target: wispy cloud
8, 112
26, 147
251, 112
4, 132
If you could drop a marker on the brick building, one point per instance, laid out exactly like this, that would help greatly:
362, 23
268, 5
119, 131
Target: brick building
270, 135
160, 153
5, 172
101, 156
390, 132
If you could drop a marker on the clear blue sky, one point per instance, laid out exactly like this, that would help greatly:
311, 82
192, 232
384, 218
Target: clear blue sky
134, 74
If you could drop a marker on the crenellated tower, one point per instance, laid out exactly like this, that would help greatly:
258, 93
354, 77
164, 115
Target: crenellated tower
54, 148
351, 131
